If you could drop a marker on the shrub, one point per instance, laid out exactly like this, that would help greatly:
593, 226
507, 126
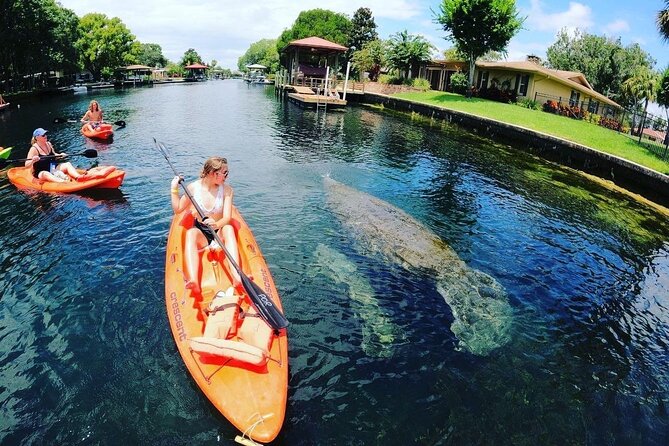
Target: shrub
550, 107
385, 79
459, 83
610, 123
422, 84
529, 103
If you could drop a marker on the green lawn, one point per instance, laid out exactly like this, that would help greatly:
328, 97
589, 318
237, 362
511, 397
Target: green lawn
581, 132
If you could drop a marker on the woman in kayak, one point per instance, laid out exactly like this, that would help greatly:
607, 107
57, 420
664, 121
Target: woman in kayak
93, 115
54, 168
215, 199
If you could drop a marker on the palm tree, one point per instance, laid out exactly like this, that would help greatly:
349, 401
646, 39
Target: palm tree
642, 86
406, 52
663, 21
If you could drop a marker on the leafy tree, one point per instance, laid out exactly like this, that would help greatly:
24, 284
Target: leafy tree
452, 54
371, 58
604, 61
663, 20
105, 44
37, 37
190, 57
479, 26
262, 52
151, 55
175, 69
363, 30
406, 52
322, 23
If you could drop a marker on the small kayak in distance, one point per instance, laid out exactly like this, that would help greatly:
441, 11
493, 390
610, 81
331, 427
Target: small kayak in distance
22, 178
234, 356
4, 152
101, 131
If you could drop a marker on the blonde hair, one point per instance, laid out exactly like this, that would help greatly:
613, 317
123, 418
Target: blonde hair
213, 164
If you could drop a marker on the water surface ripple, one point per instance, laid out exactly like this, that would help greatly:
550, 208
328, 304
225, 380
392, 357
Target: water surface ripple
86, 355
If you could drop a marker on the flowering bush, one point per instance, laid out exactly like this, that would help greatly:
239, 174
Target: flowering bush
551, 106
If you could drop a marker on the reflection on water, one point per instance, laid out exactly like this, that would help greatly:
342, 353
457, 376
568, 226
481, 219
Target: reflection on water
85, 347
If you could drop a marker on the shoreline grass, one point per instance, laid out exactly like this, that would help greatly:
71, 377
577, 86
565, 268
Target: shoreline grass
581, 132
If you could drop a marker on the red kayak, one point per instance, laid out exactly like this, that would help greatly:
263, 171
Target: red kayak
22, 178
101, 131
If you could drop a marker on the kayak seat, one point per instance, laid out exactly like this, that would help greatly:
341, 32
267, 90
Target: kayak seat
222, 314
252, 347
255, 331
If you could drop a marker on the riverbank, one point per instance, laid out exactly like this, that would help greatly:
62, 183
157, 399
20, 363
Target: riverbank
631, 175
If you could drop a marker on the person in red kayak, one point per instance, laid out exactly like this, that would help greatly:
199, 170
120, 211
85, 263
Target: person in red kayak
215, 199
93, 115
48, 165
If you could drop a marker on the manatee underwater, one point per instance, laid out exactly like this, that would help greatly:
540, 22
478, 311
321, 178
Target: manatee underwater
483, 317
378, 332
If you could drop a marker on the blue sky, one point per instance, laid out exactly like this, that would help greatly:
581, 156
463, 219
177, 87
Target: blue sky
223, 29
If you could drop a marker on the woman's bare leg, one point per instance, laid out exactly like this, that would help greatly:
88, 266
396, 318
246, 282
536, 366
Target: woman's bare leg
195, 241
230, 241
69, 169
48, 176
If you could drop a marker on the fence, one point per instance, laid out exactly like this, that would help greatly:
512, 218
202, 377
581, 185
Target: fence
650, 131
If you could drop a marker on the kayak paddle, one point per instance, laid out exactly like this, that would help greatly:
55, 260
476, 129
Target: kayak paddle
88, 153
121, 123
266, 308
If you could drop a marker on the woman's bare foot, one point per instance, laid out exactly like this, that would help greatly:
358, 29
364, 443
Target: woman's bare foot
194, 288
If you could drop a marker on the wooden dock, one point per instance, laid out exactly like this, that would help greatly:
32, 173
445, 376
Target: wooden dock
312, 99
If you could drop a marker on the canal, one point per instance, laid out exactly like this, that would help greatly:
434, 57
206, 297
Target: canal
87, 357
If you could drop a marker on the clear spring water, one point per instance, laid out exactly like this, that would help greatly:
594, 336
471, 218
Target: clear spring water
86, 355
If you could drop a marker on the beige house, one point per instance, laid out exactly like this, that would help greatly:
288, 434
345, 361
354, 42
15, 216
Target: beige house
526, 80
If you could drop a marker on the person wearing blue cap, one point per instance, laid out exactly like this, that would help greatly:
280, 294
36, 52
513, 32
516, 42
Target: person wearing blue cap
46, 163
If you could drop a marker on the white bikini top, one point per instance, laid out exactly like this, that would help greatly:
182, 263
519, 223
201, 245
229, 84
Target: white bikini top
217, 208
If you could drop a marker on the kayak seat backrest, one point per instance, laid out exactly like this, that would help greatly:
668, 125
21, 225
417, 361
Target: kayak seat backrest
222, 315
236, 350
255, 331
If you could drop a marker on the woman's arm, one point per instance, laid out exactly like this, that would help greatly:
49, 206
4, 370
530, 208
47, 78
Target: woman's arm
33, 155
179, 203
85, 117
227, 207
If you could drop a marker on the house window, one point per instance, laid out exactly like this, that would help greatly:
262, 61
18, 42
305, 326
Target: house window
522, 81
575, 96
593, 106
483, 80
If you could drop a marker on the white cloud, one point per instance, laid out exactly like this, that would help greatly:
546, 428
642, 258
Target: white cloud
616, 27
223, 30
577, 16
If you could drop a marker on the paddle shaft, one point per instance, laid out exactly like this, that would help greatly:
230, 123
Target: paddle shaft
88, 153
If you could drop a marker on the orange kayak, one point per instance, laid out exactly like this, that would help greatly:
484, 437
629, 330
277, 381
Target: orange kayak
102, 131
236, 359
22, 177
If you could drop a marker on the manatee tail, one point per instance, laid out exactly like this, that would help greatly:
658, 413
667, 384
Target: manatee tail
482, 314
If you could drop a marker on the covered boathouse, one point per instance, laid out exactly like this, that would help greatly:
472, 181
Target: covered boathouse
309, 73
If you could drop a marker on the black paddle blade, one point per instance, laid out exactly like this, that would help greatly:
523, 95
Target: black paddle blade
59, 120
120, 123
5, 163
90, 153
266, 308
